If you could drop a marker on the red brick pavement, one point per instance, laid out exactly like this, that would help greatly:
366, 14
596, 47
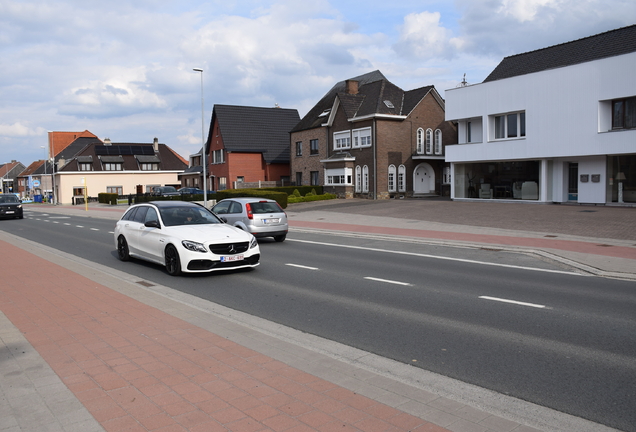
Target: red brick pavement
136, 368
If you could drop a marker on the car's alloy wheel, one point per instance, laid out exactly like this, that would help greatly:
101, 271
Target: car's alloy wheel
173, 262
122, 249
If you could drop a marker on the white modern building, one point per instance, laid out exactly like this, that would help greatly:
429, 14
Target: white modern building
553, 125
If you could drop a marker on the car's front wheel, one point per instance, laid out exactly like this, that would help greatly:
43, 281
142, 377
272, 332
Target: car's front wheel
173, 262
122, 249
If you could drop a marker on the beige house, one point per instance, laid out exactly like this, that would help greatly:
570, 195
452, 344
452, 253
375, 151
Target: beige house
122, 168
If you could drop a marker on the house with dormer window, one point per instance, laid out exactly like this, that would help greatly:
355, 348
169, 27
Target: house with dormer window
368, 138
553, 125
92, 166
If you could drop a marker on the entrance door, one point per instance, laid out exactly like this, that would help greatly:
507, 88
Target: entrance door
424, 179
573, 182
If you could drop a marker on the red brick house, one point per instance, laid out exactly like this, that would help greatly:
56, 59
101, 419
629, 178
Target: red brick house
248, 144
368, 138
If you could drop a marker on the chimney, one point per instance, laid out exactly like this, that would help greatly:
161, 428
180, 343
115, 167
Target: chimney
107, 141
155, 144
352, 87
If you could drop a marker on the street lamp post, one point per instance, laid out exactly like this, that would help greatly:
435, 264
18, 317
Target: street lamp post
203, 162
46, 159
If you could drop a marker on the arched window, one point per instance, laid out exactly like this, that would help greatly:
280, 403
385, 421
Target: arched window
358, 179
438, 142
401, 178
391, 178
429, 141
420, 141
365, 179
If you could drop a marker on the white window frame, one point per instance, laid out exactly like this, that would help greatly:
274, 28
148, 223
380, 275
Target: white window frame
391, 178
420, 141
429, 141
119, 190
217, 157
113, 166
339, 177
446, 178
362, 138
342, 140
500, 124
358, 185
365, 179
438, 142
401, 178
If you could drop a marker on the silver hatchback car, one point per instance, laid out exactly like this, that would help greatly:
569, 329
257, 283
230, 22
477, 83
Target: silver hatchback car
259, 216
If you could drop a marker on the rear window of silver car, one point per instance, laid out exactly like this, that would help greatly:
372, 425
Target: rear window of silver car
265, 207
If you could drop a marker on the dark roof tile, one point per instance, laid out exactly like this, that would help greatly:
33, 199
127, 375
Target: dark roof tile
609, 44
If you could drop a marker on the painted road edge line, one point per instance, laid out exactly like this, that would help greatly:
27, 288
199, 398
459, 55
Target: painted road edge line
513, 302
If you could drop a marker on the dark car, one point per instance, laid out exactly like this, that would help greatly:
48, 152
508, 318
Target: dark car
190, 191
163, 191
10, 206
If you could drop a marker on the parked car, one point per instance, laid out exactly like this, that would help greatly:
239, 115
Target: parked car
183, 237
163, 190
10, 206
261, 217
188, 191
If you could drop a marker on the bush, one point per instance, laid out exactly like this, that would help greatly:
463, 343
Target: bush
308, 198
296, 193
107, 198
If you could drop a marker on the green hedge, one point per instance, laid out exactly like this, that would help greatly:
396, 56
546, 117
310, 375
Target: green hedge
303, 190
294, 199
107, 198
280, 197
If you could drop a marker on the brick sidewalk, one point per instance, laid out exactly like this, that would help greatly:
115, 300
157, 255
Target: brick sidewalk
136, 368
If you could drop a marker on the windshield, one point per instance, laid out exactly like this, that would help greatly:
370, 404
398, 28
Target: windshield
173, 216
9, 199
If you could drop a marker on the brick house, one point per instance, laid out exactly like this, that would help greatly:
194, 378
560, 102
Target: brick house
9, 173
368, 138
248, 145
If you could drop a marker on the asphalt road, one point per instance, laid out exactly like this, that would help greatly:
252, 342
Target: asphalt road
507, 322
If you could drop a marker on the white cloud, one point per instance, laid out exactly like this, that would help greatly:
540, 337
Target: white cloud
20, 129
423, 37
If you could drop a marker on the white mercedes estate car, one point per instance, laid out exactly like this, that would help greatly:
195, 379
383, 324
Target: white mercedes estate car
183, 237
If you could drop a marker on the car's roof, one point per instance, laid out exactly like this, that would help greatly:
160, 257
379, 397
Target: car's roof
248, 199
169, 204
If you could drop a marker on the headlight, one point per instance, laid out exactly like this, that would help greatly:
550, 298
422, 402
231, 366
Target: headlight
193, 246
253, 243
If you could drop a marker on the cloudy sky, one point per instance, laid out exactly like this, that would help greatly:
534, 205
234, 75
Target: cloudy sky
123, 69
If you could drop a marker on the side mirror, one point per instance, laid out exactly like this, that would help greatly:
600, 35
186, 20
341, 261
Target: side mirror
152, 224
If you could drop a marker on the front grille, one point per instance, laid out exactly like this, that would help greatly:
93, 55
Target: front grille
208, 265
229, 248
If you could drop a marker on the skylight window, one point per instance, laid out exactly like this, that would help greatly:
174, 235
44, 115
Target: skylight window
389, 104
325, 113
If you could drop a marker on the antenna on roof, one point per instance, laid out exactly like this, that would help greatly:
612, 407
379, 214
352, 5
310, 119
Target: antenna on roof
463, 83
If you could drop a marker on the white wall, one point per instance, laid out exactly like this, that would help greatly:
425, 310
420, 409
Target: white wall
565, 112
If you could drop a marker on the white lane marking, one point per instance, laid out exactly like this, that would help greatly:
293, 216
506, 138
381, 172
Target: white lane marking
66, 223
388, 281
59, 217
94, 229
513, 302
79, 226
439, 257
302, 266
